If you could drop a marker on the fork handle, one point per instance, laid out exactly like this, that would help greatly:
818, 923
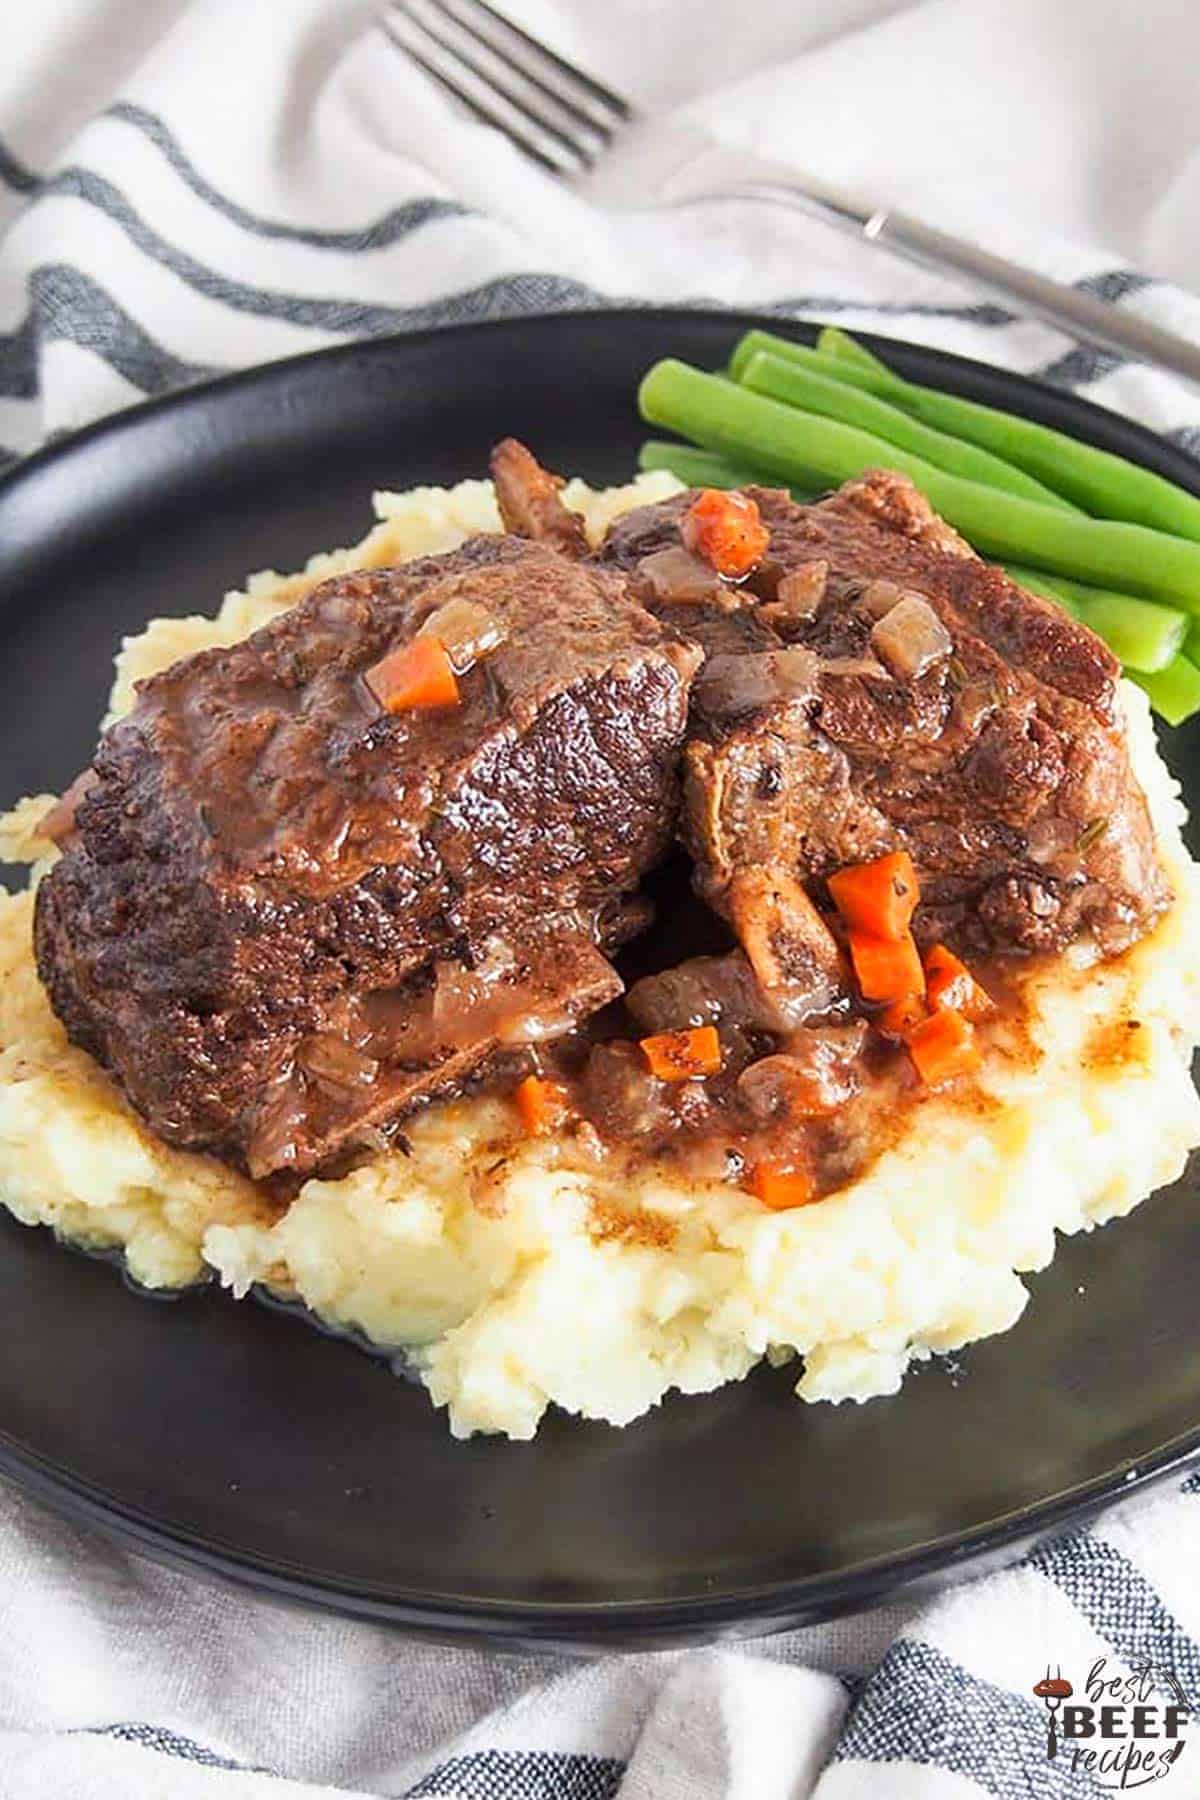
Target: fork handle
1078, 314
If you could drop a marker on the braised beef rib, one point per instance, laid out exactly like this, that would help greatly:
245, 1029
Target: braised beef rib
284, 915
874, 685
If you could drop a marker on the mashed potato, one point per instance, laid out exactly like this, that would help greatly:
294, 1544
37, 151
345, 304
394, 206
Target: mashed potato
512, 1272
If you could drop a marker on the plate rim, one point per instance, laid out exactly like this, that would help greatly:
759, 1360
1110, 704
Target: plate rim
591, 1625
969, 370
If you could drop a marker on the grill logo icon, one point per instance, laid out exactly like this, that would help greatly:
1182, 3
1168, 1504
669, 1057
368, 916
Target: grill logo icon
1053, 1690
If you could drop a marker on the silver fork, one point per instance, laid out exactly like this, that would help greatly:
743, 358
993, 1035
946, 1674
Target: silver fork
586, 134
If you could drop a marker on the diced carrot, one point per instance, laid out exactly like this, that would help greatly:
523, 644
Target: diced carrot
887, 969
943, 1046
877, 897
541, 1104
781, 1188
682, 1055
897, 1019
416, 677
726, 529
950, 983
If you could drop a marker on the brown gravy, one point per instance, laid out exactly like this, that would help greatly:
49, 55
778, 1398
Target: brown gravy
707, 1128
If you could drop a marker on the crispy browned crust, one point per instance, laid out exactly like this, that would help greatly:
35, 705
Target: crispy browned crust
260, 845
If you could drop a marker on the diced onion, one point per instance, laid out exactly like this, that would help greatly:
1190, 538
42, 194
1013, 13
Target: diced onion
868, 666
466, 630
878, 597
816, 1074
678, 574
729, 685
910, 638
332, 1059
801, 591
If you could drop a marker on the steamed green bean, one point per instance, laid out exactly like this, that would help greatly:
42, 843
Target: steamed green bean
695, 468
1140, 633
702, 469
1103, 484
808, 386
1174, 691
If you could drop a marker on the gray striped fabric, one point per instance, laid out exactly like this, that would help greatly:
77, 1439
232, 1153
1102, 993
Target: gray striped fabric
82, 303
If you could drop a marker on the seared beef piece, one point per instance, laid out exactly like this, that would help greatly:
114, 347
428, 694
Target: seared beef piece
383, 1052
529, 503
263, 848
620, 1096
817, 1071
999, 761
747, 667
703, 990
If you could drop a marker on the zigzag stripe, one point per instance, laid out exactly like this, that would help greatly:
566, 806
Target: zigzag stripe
67, 304
920, 1707
390, 229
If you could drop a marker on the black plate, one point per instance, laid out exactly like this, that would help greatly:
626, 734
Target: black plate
233, 1440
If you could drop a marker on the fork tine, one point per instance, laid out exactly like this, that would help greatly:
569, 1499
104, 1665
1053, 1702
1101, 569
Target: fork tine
600, 103
479, 97
549, 110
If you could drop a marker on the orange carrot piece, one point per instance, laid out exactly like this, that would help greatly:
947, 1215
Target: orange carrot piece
417, 677
782, 1188
541, 1104
951, 984
897, 1019
887, 969
943, 1046
877, 897
682, 1055
726, 529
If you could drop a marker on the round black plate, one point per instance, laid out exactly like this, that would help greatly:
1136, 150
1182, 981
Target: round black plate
234, 1441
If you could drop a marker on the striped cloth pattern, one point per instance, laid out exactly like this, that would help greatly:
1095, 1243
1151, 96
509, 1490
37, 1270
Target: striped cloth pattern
947, 1712
146, 244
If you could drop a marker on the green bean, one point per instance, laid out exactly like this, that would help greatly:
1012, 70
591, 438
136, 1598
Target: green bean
759, 343
1174, 691
700, 468
1050, 587
754, 343
1085, 593
1101, 483
814, 390
795, 446
695, 468
1141, 634
831, 341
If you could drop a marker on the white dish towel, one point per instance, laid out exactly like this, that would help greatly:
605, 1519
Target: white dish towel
190, 187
